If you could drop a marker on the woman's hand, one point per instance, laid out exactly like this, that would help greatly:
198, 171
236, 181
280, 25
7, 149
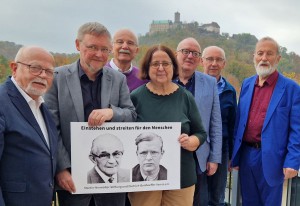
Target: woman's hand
189, 143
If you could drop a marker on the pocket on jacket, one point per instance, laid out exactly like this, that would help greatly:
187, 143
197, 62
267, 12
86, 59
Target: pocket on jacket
14, 187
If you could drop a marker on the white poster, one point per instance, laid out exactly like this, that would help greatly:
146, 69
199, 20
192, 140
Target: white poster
125, 157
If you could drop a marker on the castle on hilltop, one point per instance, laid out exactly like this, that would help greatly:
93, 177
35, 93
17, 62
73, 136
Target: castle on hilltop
166, 25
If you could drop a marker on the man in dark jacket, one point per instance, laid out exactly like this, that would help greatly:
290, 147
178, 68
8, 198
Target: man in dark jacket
149, 152
214, 61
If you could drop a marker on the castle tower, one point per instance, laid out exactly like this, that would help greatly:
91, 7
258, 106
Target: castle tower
177, 18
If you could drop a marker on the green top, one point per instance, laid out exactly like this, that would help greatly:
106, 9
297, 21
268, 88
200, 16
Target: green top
179, 106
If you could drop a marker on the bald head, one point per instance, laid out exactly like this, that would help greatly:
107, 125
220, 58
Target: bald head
33, 70
189, 41
32, 52
126, 32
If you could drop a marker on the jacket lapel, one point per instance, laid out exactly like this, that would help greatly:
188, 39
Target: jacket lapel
106, 88
276, 96
73, 83
20, 103
199, 85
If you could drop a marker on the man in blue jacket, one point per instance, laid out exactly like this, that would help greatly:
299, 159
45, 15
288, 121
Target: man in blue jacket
28, 135
267, 144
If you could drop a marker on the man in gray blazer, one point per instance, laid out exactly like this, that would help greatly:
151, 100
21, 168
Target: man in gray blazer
87, 91
204, 89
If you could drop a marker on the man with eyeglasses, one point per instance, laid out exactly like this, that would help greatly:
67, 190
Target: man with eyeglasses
204, 89
87, 91
149, 153
28, 136
214, 62
125, 48
106, 153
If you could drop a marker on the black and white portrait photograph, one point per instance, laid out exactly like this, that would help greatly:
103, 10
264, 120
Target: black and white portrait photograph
125, 157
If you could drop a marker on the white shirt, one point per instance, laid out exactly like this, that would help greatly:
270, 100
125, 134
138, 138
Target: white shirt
105, 177
35, 108
115, 67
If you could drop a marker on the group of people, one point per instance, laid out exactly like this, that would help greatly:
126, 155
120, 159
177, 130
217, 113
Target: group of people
260, 136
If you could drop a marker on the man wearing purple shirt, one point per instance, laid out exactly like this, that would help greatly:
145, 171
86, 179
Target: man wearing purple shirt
125, 48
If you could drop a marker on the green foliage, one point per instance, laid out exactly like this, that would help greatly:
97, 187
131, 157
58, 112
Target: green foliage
4, 68
239, 52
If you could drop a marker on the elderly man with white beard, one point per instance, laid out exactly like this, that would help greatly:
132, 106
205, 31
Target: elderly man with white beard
267, 144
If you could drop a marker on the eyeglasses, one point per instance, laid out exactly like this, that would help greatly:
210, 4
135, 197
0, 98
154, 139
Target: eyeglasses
105, 155
163, 64
211, 60
37, 70
186, 52
94, 49
152, 153
120, 42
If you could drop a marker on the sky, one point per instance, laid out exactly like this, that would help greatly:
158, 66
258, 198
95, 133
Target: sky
53, 24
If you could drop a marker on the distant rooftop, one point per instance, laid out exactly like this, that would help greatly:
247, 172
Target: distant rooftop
161, 21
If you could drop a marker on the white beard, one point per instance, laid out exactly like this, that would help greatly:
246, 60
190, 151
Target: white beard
34, 91
263, 71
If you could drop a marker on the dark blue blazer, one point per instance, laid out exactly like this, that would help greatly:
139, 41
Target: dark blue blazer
27, 163
280, 136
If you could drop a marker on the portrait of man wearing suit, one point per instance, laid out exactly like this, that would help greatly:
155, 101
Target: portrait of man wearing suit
267, 144
204, 89
106, 153
149, 153
87, 91
28, 136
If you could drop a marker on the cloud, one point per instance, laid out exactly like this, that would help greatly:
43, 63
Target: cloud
53, 24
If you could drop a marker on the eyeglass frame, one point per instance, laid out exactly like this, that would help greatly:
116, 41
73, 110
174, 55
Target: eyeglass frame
195, 54
157, 64
49, 72
94, 48
211, 60
107, 155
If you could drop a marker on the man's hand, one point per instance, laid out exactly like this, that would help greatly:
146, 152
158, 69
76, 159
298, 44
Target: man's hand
211, 168
99, 116
289, 173
65, 181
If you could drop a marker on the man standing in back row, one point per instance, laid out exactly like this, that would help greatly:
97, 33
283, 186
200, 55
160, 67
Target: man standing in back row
204, 89
267, 143
87, 91
125, 48
214, 62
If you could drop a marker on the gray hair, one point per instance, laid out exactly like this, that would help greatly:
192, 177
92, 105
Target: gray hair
215, 47
93, 28
269, 39
148, 136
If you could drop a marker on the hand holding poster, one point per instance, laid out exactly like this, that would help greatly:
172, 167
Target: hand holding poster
125, 157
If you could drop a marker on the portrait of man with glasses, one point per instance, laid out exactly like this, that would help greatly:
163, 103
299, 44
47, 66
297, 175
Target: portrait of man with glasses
106, 154
149, 153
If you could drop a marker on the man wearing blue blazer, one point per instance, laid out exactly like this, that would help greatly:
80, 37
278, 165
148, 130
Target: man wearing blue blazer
267, 133
204, 89
28, 136
87, 91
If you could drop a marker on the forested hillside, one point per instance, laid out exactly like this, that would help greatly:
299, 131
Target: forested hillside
238, 48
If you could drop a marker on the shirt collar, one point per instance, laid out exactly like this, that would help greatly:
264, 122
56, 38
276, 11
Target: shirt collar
28, 99
81, 73
115, 67
105, 177
221, 85
271, 79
